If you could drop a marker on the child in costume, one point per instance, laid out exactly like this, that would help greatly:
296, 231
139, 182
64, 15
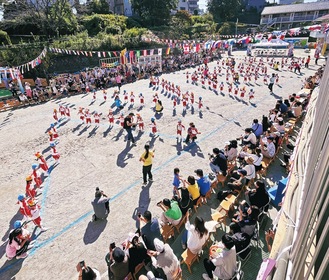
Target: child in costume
111, 117
153, 126
35, 214
140, 122
42, 162
54, 152
36, 175
179, 129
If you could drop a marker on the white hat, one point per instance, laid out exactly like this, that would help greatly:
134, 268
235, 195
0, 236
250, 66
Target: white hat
159, 245
280, 119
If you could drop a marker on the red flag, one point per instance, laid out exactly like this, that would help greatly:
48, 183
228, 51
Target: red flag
104, 54
144, 52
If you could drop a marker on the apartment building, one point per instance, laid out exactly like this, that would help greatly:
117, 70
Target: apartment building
295, 15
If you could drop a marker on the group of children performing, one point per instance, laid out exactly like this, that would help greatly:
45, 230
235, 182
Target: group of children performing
20, 239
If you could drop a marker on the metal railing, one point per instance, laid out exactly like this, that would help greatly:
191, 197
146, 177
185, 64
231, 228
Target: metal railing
288, 19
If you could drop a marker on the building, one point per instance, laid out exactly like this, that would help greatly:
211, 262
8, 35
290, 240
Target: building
193, 5
288, 2
295, 15
187, 5
121, 7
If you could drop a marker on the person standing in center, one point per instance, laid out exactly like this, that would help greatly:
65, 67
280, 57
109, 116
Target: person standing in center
270, 85
146, 158
127, 125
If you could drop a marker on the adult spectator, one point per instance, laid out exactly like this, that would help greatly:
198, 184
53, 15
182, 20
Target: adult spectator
127, 125
249, 138
258, 196
237, 180
296, 110
257, 158
118, 80
195, 236
184, 199
136, 251
279, 126
271, 83
245, 220
87, 273
218, 162
101, 205
18, 242
120, 264
222, 264
192, 133
241, 242
250, 169
193, 188
171, 211
257, 128
165, 259
150, 230
282, 107
230, 150
203, 182
268, 149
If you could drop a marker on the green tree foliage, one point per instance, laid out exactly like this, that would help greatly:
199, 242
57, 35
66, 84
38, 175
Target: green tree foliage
224, 10
154, 12
181, 23
4, 38
111, 24
46, 17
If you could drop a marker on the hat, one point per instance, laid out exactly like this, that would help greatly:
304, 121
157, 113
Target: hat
270, 138
227, 143
131, 236
52, 144
17, 224
35, 166
242, 171
199, 172
152, 119
38, 155
118, 255
28, 178
158, 244
280, 119
21, 197
52, 125
31, 202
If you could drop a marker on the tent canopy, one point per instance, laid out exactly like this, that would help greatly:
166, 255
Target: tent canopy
272, 43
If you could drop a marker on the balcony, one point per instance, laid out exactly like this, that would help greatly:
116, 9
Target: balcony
288, 19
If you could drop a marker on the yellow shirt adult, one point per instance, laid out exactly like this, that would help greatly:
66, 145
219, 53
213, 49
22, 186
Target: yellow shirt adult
147, 161
194, 191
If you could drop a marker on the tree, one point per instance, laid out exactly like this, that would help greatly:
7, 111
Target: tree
181, 22
154, 12
224, 10
50, 17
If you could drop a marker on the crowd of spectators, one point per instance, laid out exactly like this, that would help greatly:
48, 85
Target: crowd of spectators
147, 247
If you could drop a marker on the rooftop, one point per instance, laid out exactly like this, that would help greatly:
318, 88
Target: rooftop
295, 8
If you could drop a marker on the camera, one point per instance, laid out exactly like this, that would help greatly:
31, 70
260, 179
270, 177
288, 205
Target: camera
139, 214
112, 245
82, 264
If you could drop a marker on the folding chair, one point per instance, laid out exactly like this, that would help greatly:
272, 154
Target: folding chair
189, 258
182, 222
239, 274
167, 231
244, 254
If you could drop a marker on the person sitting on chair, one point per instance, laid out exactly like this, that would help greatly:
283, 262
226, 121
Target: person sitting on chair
101, 205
